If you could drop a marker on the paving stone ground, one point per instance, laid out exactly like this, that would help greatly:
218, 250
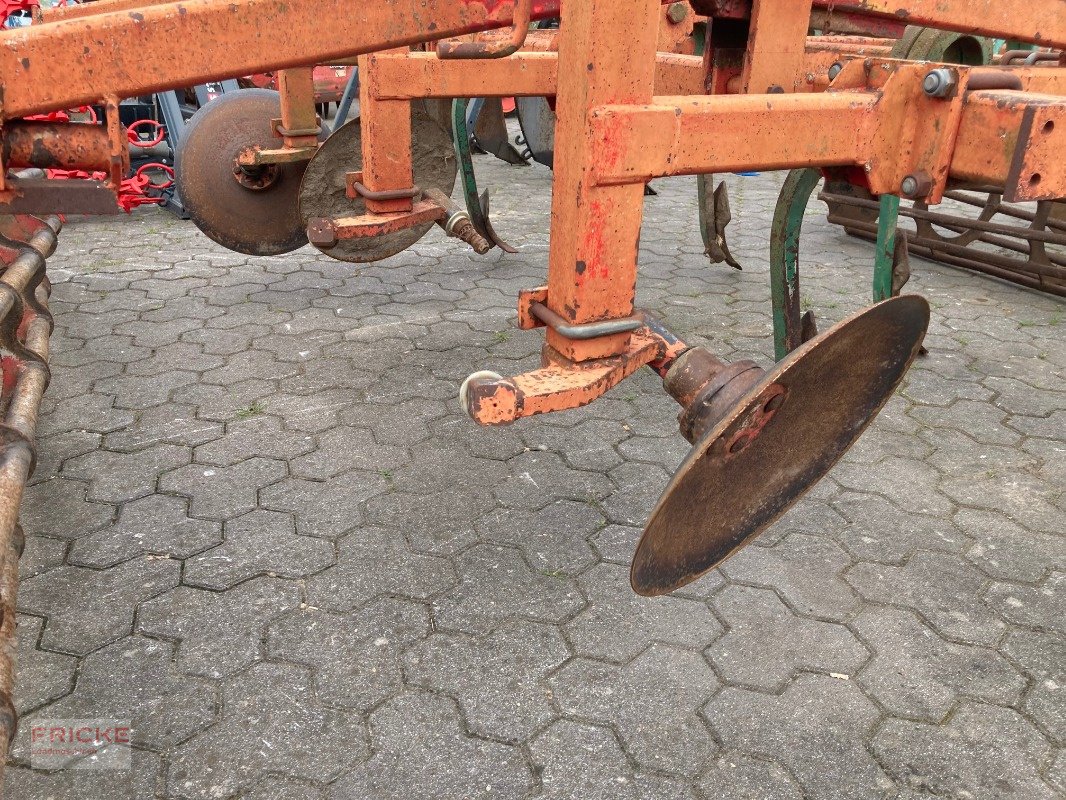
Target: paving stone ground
262, 529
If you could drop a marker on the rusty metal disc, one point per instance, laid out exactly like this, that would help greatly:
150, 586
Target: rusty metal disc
833, 386
261, 221
323, 191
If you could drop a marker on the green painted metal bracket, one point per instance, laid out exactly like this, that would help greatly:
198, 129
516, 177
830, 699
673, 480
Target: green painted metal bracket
885, 254
784, 259
476, 207
461, 140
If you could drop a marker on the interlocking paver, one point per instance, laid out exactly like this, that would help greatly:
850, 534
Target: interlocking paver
223, 492
140, 781
1042, 658
804, 569
653, 702
984, 751
910, 484
1032, 606
880, 531
815, 729
897, 635
156, 524
343, 448
552, 539
944, 589
498, 679
40, 555
283, 789
53, 450
43, 676
257, 543
327, 510
617, 624
918, 675
420, 751
257, 436
356, 656
1007, 551
219, 633
436, 522
118, 477
162, 706
58, 508
766, 643
538, 476
89, 608
496, 584
586, 761
170, 423
271, 722
743, 777
1027, 499
373, 562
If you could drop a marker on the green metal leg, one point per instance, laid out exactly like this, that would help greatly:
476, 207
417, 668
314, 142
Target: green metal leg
461, 139
886, 247
784, 259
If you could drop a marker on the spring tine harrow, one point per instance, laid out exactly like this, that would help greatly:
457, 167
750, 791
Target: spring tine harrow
1022, 244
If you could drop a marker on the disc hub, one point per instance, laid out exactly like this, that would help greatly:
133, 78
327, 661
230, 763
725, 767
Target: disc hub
256, 178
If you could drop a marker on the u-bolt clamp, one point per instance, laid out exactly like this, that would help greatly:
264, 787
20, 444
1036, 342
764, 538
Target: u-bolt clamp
523, 11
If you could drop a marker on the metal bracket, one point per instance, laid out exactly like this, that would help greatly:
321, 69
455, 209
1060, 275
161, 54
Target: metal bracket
356, 188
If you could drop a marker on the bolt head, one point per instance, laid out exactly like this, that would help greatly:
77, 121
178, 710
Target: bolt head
939, 82
915, 185
677, 12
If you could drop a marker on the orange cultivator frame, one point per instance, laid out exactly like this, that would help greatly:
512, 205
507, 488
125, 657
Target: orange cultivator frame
625, 115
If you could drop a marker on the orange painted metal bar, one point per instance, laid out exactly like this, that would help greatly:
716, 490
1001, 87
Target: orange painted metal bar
1005, 138
1017, 20
1016, 140
127, 53
560, 383
679, 74
57, 145
299, 122
414, 75
386, 139
775, 55
79, 10
592, 259
671, 135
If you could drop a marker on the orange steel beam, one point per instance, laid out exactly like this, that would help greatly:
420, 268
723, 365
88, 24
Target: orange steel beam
103, 54
79, 10
592, 257
132, 52
775, 55
299, 122
534, 74
1017, 20
386, 137
414, 75
670, 135
1006, 138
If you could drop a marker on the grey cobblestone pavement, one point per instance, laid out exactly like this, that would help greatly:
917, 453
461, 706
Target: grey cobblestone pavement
262, 529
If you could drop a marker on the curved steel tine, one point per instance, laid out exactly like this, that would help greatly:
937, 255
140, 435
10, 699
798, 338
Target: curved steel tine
490, 232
